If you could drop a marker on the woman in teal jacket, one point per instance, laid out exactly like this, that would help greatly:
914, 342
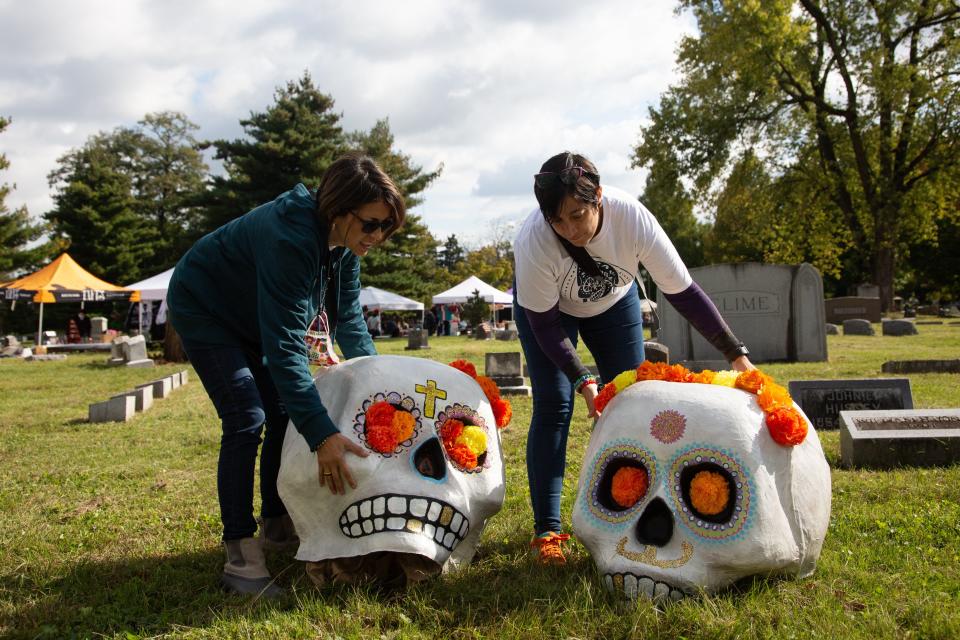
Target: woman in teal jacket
242, 299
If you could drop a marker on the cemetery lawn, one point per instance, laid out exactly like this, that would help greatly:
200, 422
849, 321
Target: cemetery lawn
112, 530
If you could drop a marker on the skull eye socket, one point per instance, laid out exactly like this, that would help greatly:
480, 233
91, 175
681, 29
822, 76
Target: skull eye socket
708, 490
463, 433
712, 492
387, 423
623, 484
620, 479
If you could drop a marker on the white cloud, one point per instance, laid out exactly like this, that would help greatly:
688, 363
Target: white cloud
488, 88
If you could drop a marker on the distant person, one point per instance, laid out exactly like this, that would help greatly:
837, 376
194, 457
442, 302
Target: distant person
577, 256
242, 300
429, 322
84, 326
373, 323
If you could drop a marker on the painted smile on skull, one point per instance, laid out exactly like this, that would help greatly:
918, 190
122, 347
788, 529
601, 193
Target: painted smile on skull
429, 517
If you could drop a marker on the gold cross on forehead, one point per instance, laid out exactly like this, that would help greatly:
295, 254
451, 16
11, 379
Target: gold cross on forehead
432, 394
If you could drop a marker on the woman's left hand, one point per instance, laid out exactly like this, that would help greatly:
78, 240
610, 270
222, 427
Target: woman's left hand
742, 364
589, 392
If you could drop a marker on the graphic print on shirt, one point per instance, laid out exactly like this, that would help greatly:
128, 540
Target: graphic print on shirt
578, 285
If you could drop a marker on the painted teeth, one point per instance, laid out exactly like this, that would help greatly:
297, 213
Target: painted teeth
632, 586
433, 519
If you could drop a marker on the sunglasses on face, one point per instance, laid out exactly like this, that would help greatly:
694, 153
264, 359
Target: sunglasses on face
369, 226
568, 176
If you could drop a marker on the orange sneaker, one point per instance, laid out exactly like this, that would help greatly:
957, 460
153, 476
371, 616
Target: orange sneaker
547, 547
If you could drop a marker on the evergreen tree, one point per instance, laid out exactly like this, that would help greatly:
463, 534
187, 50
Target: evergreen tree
452, 253
18, 232
404, 264
475, 309
409, 178
293, 141
665, 196
95, 212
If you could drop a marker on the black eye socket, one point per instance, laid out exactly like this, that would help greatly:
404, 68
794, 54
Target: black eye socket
708, 491
624, 483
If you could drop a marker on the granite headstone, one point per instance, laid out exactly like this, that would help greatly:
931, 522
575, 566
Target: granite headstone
888, 439
898, 328
858, 327
823, 400
844, 308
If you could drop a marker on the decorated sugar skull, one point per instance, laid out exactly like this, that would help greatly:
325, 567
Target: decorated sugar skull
685, 487
433, 476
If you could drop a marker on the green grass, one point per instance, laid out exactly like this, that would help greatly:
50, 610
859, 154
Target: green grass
113, 530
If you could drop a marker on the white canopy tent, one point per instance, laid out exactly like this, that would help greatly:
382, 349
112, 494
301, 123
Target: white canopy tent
464, 291
154, 288
374, 298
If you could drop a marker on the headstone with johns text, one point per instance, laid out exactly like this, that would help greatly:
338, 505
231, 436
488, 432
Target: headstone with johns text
823, 400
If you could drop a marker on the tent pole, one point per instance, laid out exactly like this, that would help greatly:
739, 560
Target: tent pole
40, 326
140, 318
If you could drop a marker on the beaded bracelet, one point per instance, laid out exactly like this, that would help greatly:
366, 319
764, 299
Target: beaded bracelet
322, 442
584, 380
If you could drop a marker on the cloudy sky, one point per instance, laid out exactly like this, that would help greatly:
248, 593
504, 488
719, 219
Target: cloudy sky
488, 88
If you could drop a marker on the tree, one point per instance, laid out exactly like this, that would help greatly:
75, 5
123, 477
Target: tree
854, 102
487, 264
665, 196
475, 309
405, 263
169, 179
95, 211
18, 232
293, 141
452, 253
410, 178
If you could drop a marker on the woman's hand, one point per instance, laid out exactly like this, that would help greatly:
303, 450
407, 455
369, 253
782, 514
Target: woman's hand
332, 464
742, 364
589, 392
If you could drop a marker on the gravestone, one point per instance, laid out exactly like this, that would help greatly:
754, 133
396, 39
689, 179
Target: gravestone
887, 439
929, 322
417, 339
921, 366
868, 290
11, 347
175, 380
117, 409
129, 352
899, 328
777, 310
506, 370
844, 308
483, 331
161, 388
656, 352
858, 327
508, 334
142, 395
823, 400
832, 329
98, 328
929, 310
184, 377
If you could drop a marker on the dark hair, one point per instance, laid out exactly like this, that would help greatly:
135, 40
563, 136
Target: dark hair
352, 181
550, 197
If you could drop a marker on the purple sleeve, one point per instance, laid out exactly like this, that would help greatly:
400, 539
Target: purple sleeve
694, 305
555, 343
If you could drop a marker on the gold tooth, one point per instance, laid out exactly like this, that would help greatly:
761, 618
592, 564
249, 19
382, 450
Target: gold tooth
618, 581
414, 525
446, 515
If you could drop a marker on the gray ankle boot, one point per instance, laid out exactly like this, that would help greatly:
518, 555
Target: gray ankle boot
246, 570
278, 534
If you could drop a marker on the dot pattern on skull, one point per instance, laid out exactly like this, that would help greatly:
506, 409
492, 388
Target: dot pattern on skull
600, 503
668, 426
702, 515
387, 438
463, 433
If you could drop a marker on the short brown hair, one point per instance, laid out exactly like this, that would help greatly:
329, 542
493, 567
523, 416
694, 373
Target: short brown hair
352, 181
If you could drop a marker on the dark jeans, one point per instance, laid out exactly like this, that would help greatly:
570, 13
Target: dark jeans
246, 400
615, 338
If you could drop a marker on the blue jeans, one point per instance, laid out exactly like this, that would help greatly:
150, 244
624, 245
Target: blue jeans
615, 338
246, 401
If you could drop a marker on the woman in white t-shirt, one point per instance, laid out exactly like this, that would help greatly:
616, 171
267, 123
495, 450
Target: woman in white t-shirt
577, 257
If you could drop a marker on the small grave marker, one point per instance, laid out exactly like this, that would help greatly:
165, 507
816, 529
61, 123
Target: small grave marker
823, 400
887, 439
506, 370
921, 366
858, 327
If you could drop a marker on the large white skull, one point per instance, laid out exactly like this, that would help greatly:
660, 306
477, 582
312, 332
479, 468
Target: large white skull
776, 513
413, 500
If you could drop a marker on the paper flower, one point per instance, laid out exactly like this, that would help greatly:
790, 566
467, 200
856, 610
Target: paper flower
502, 409
628, 486
466, 367
786, 426
709, 492
386, 426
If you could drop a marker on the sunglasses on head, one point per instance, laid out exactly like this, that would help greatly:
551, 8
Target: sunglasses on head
568, 176
369, 226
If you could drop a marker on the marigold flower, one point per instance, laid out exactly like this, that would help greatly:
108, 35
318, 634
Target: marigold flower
502, 411
606, 395
709, 492
704, 377
490, 388
786, 426
648, 371
465, 366
380, 413
751, 380
725, 378
402, 424
462, 455
450, 431
772, 396
624, 380
628, 486
676, 373
381, 437
473, 437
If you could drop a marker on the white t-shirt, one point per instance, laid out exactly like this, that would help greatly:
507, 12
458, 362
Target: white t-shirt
630, 235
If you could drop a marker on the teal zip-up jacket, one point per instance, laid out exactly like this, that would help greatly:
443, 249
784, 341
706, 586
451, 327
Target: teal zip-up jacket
256, 283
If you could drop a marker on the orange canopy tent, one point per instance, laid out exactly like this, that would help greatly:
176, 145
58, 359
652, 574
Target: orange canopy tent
63, 280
